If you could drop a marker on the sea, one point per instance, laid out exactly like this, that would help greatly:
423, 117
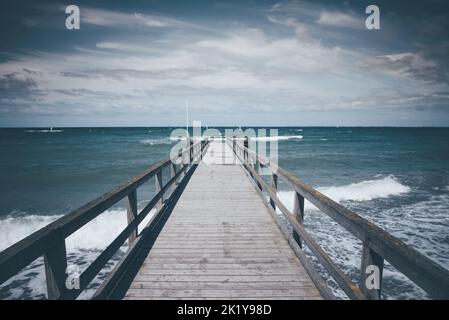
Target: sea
397, 178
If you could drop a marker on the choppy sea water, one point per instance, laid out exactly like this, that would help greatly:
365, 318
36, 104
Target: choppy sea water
397, 178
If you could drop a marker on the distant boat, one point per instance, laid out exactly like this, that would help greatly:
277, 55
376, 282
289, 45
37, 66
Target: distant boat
52, 130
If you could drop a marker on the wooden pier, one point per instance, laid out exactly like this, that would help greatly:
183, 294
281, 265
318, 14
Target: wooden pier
221, 242
217, 233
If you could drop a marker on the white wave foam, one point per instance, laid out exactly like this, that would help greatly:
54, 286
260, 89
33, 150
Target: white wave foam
13, 229
153, 142
95, 235
277, 138
197, 139
178, 138
360, 191
366, 190
323, 139
45, 130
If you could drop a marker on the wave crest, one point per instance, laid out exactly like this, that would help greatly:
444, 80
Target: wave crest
360, 191
153, 142
277, 138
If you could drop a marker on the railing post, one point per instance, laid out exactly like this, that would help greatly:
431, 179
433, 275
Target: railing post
181, 158
274, 185
298, 212
223, 155
257, 169
245, 150
234, 155
191, 151
371, 273
172, 174
158, 187
55, 261
132, 214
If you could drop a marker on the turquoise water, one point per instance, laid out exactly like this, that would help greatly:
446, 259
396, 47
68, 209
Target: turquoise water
395, 177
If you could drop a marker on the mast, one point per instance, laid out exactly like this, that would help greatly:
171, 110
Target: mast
187, 118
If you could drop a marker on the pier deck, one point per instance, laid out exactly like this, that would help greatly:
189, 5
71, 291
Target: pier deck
221, 242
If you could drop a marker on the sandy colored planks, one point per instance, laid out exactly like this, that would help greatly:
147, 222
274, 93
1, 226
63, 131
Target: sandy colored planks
220, 242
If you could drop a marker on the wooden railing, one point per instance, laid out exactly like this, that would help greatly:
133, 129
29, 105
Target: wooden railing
378, 245
50, 241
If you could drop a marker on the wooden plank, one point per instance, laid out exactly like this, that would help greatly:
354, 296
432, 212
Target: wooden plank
221, 272
225, 294
221, 298
217, 266
221, 260
182, 285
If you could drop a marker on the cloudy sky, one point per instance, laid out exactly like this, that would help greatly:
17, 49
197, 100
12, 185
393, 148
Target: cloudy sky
136, 63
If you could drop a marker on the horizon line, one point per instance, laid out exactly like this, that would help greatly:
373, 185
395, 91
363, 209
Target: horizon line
221, 126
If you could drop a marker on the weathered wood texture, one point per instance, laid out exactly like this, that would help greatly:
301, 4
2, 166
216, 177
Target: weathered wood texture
220, 242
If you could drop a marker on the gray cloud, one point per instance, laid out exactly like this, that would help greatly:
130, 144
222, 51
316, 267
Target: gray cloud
16, 84
122, 74
340, 19
413, 65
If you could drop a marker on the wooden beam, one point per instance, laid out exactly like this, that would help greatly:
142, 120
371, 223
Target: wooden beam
172, 174
55, 271
158, 187
274, 185
298, 212
132, 214
371, 271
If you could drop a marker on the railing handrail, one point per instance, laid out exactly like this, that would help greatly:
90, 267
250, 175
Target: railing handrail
47, 239
378, 243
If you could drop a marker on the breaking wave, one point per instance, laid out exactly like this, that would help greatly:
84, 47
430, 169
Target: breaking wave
277, 138
153, 142
45, 130
360, 191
